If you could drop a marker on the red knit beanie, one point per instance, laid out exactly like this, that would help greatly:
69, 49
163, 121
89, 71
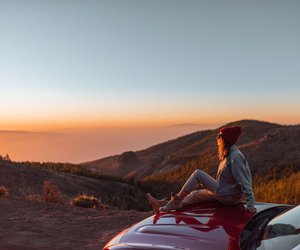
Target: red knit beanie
231, 134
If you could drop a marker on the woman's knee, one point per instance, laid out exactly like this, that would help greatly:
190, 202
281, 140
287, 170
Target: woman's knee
198, 174
198, 196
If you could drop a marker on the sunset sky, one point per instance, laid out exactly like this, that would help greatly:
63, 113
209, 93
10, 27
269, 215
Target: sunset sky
87, 65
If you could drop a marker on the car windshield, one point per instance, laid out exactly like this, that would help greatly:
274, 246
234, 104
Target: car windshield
283, 232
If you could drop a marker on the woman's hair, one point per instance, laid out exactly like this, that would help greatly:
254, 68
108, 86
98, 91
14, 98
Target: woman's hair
223, 149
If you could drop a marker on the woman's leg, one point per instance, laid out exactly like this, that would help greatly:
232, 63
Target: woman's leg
198, 177
198, 196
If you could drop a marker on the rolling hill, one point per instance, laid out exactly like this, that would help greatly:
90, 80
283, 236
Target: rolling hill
27, 178
264, 144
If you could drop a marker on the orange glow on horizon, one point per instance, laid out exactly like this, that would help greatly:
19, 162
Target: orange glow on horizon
78, 141
139, 119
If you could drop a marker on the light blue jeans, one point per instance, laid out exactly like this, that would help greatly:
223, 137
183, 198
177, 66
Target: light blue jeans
208, 193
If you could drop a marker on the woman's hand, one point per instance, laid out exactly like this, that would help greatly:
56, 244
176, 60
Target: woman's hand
250, 209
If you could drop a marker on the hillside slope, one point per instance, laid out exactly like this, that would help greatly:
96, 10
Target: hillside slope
264, 144
23, 179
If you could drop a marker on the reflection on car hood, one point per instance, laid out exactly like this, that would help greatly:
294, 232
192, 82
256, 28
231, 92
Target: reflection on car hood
205, 226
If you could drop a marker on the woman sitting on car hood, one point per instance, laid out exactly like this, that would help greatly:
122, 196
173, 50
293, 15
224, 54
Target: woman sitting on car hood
232, 185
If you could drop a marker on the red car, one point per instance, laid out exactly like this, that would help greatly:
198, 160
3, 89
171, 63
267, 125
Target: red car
215, 226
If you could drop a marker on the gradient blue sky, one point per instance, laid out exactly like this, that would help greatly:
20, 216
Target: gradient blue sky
83, 64
75, 63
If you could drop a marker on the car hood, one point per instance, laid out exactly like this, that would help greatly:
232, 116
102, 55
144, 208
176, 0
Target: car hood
206, 226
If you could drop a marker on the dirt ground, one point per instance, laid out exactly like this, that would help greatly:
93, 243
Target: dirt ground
42, 226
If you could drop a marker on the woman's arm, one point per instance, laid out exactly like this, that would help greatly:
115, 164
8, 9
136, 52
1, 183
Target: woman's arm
241, 173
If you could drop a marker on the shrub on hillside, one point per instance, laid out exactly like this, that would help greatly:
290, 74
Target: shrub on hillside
34, 198
52, 193
5, 158
88, 201
3, 192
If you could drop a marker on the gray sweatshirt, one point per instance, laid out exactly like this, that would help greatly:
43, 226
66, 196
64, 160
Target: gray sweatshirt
234, 177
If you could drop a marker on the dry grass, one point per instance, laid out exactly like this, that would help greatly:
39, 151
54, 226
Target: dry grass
88, 201
283, 190
34, 198
52, 193
3, 192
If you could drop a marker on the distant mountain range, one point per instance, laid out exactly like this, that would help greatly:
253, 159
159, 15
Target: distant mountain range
265, 145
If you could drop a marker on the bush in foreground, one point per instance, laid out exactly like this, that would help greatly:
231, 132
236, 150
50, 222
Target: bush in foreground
88, 201
52, 193
3, 192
